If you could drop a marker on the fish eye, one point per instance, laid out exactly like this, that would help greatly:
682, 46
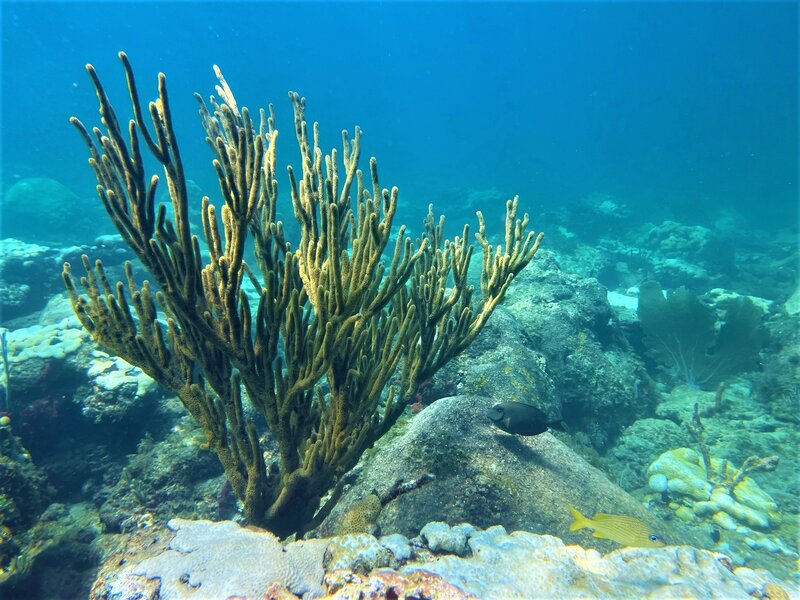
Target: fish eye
654, 538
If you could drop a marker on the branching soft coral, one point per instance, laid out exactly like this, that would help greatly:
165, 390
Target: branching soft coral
334, 323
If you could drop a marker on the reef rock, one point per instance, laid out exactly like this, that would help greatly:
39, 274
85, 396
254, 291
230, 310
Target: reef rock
30, 274
502, 362
526, 565
223, 560
556, 343
639, 445
689, 255
56, 358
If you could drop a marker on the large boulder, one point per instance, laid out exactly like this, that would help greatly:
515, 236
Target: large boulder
487, 477
598, 384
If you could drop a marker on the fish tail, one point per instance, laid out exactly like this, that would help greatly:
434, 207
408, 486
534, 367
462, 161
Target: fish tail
578, 520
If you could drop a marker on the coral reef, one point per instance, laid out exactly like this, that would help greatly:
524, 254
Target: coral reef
192, 559
441, 538
312, 374
24, 496
29, 273
57, 369
598, 385
360, 553
362, 516
523, 564
388, 584
682, 473
622, 251
58, 556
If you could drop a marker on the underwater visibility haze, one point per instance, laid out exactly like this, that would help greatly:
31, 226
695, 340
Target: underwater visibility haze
336, 298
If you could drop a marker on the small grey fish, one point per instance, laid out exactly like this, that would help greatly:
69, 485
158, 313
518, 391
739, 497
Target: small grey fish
521, 419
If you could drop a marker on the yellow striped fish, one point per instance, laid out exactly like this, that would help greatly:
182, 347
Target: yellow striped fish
625, 530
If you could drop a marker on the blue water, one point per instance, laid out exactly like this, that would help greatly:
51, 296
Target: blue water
678, 110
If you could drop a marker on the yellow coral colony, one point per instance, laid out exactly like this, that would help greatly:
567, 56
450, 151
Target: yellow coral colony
333, 322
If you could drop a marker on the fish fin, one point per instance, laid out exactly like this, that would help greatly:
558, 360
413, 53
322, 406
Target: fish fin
578, 520
597, 534
604, 516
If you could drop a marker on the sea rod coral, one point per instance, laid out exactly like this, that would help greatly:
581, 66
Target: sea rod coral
335, 322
